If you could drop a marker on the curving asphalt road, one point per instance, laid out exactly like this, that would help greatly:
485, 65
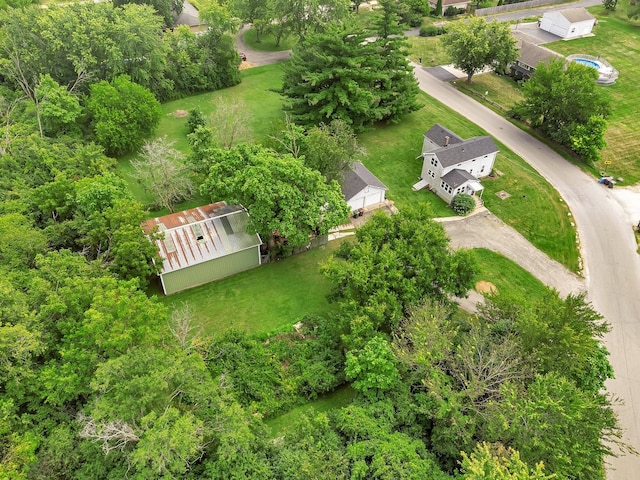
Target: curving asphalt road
612, 266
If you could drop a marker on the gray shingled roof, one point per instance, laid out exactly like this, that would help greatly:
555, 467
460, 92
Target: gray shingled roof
532, 55
437, 135
576, 14
461, 152
357, 178
458, 177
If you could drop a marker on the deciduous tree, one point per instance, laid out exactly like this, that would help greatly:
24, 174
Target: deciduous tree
123, 114
567, 105
162, 171
396, 263
281, 194
167, 9
477, 44
330, 149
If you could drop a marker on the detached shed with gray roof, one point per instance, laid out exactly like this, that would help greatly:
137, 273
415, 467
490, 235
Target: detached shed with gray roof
203, 244
568, 23
361, 188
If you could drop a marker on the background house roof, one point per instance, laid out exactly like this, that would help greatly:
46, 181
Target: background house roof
532, 55
357, 178
201, 234
437, 134
457, 177
576, 14
469, 149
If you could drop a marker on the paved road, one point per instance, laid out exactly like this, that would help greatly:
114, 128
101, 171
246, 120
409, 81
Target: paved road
612, 266
537, 12
256, 58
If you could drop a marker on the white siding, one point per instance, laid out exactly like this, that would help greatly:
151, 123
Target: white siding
366, 197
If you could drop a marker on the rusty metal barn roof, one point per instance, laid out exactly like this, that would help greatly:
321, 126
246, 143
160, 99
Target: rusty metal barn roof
201, 234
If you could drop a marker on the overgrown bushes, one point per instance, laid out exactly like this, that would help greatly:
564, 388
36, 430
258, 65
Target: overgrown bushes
432, 30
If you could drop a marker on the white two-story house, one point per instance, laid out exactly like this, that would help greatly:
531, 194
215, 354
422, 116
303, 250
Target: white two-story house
452, 165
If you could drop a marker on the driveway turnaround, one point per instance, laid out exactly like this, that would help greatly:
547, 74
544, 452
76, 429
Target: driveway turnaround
485, 230
611, 264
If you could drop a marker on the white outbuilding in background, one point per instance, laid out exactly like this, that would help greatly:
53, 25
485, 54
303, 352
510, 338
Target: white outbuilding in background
568, 23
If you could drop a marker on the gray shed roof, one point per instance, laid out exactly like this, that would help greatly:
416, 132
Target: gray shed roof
437, 134
576, 14
532, 55
458, 177
469, 149
201, 234
357, 178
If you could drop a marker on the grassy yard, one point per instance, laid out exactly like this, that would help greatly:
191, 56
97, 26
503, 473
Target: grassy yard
392, 150
616, 40
267, 42
429, 49
285, 423
499, 92
508, 277
534, 207
264, 299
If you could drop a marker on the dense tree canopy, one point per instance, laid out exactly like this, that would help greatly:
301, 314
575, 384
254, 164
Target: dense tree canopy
396, 262
340, 74
567, 105
99, 380
167, 9
477, 44
84, 43
282, 195
123, 115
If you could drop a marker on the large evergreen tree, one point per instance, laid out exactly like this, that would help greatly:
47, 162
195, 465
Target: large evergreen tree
340, 74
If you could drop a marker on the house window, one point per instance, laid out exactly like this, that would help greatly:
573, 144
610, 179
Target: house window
473, 160
482, 169
471, 171
432, 174
434, 162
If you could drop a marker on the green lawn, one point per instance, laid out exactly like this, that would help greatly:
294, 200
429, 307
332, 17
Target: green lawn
534, 208
285, 423
499, 92
262, 300
616, 40
254, 92
508, 277
267, 42
429, 49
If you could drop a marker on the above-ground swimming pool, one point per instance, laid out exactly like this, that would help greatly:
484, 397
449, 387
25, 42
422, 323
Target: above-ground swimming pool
606, 73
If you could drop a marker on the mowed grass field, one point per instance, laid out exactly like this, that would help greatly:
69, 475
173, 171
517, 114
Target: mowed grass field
263, 300
617, 40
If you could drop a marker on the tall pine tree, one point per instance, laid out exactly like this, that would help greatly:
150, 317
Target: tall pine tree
341, 74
